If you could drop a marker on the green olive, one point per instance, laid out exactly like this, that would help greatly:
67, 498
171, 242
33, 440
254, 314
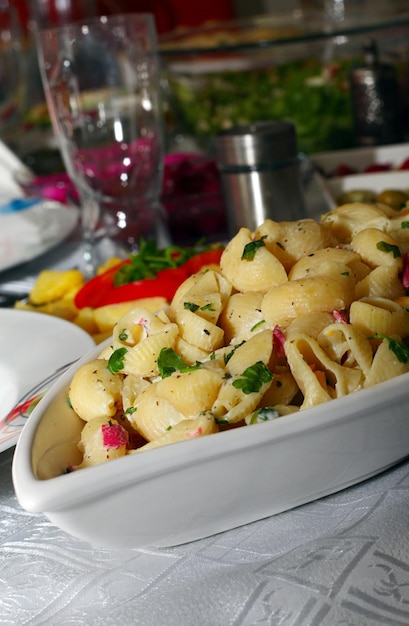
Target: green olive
395, 198
357, 195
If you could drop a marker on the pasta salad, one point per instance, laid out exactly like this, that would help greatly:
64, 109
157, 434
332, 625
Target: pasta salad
298, 313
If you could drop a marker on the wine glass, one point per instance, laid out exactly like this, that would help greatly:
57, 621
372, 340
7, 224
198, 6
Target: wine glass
102, 86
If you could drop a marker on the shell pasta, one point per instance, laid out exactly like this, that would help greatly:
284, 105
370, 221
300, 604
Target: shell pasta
298, 314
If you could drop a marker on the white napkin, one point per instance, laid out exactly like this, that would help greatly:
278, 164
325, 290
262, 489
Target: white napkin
28, 232
28, 227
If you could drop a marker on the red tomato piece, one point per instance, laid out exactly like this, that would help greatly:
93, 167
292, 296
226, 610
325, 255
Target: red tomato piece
209, 257
100, 290
404, 165
91, 293
378, 167
343, 170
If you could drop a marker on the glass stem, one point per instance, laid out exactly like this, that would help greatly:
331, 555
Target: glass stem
90, 217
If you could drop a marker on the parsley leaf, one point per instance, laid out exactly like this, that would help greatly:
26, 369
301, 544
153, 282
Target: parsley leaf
229, 355
253, 328
389, 247
169, 362
400, 350
151, 259
253, 378
116, 360
250, 249
265, 414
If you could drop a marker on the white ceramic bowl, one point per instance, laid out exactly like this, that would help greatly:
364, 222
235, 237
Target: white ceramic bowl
193, 489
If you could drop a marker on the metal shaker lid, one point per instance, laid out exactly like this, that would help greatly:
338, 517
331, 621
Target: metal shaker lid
256, 143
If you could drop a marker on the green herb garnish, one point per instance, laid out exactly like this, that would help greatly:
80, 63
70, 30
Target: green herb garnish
221, 421
253, 378
253, 328
250, 249
116, 360
169, 362
150, 260
400, 350
123, 335
190, 306
265, 414
229, 355
389, 247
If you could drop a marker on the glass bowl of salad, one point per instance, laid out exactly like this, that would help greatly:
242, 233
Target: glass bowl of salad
292, 66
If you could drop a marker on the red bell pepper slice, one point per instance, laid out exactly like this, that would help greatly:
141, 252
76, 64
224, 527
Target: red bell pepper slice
100, 290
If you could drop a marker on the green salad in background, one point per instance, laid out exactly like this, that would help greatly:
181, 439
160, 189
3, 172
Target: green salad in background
313, 95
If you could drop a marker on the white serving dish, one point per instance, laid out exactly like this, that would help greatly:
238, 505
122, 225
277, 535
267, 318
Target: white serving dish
193, 489
361, 158
376, 182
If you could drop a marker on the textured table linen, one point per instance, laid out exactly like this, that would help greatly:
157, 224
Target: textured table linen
340, 561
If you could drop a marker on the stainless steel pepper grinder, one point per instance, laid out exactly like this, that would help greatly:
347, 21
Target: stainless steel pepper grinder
260, 171
376, 100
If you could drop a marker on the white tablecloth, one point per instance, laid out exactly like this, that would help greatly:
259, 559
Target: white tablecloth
339, 561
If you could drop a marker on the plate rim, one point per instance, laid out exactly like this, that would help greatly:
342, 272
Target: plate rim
37, 318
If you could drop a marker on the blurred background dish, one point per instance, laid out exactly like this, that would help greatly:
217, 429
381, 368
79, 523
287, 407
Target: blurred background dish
230, 63
295, 65
390, 188
377, 173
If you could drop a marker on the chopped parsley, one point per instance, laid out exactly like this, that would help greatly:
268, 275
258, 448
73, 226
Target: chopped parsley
221, 421
229, 355
250, 249
253, 378
253, 328
169, 362
400, 350
123, 335
265, 414
150, 260
384, 246
191, 306
116, 360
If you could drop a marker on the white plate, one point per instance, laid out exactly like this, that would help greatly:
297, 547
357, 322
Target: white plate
26, 234
34, 348
192, 489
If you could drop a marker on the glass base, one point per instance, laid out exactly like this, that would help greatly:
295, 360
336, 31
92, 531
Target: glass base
116, 231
